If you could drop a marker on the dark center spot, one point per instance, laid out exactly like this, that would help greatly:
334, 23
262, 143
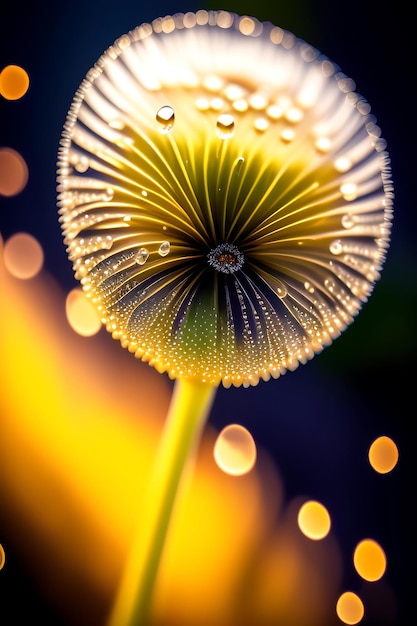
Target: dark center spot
226, 258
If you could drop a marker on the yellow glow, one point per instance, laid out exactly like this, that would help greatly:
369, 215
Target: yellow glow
74, 454
235, 450
2, 557
13, 172
82, 316
314, 520
79, 431
383, 455
349, 608
14, 82
23, 256
369, 560
288, 591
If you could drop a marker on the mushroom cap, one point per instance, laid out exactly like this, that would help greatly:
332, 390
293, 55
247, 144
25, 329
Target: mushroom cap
224, 196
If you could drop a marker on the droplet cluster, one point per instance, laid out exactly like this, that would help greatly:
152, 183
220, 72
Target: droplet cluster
224, 195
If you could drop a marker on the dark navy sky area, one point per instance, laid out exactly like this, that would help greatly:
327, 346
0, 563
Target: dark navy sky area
319, 421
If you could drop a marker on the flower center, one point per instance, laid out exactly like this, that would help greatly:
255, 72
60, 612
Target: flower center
226, 258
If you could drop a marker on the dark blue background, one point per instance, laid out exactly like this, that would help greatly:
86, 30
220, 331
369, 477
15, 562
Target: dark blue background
318, 421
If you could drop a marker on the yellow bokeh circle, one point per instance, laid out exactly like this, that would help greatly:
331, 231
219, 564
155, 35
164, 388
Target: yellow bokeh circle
314, 520
14, 82
369, 560
235, 450
383, 455
349, 608
82, 316
23, 255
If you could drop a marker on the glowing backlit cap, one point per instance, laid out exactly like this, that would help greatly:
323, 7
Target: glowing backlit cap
248, 158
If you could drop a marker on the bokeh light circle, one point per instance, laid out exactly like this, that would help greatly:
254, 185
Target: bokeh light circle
235, 450
369, 560
314, 520
14, 82
81, 314
383, 455
14, 172
349, 608
23, 255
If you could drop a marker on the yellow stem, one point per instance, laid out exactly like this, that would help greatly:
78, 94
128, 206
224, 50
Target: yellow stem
190, 406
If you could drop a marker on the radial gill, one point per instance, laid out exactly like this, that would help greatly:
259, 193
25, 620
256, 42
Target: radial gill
224, 195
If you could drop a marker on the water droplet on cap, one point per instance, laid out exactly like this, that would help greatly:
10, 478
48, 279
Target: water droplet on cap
165, 117
349, 191
164, 248
82, 164
336, 247
225, 126
142, 256
348, 221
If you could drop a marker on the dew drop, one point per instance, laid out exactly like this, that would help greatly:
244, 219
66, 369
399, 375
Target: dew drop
240, 105
258, 102
225, 126
117, 124
274, 111
82, 164
202, 104
348, 221
287, 135
213, 83
216, 104
336, 247
329, 284
239, 164
124, 141
323, 144
261, 124
294, 115
349, 191
164, 248
234, 92
142, 256
342, 164
165, 117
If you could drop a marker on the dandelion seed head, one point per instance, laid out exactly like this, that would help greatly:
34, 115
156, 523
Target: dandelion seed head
224, 195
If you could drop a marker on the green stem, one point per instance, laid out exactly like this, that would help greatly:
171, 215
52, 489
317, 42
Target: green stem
190, 406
